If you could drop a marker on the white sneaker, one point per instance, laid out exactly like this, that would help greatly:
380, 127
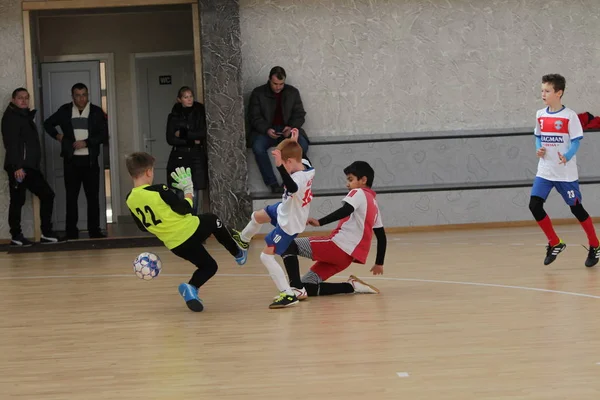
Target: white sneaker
361, 286
299, 293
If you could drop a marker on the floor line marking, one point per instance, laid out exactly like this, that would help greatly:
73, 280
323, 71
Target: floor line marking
465, 283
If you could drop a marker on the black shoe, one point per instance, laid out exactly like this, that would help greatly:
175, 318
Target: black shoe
284, 300
97, 235
553, 251
20, 241
593, 256
72, 235
276, 189
51, 238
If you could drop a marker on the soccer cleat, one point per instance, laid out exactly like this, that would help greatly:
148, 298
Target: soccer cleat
553, 251
243, 246
190, 296
237, 236
593, 256
242, 257
284, 300
300, 294
51, 238
361, 286
20, 241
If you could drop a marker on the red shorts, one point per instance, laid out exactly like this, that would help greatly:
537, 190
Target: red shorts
330, 259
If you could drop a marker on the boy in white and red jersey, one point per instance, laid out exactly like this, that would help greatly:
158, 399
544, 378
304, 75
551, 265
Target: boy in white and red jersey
350, 241
558, 133
288, 216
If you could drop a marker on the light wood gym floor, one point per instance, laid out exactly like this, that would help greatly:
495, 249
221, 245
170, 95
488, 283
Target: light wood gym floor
462, 315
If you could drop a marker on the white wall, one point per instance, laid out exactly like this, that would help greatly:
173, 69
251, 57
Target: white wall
388, 66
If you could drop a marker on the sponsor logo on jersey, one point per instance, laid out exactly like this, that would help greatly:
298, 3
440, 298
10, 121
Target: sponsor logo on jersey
552, 139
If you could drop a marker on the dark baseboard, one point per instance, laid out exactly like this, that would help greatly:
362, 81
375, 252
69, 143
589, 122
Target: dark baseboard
91, 244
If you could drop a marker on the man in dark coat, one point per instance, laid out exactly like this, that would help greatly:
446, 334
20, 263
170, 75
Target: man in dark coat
84, 131
275, 108
22, 164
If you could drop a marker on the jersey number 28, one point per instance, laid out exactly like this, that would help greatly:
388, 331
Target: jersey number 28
150, 213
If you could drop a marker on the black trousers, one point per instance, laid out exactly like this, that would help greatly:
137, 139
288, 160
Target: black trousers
193, 250
36, 183
80, 170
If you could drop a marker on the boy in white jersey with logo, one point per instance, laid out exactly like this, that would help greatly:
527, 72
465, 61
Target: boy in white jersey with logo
558, 133
289, 216
350, 241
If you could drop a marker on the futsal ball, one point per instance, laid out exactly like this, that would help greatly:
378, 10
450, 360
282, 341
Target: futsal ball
147, 266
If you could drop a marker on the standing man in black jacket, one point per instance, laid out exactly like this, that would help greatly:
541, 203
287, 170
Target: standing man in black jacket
84, 130
275, 109
22, 164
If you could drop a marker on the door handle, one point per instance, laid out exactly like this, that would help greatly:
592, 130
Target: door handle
149, 140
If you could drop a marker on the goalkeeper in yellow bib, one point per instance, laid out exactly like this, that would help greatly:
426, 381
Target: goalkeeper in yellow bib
158, 210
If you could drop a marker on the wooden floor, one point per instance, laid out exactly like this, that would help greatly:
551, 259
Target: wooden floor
462, 315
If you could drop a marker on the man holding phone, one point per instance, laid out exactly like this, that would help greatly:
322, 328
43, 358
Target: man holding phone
275, 108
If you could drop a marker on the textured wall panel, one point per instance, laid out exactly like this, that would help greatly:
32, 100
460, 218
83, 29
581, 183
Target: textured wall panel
381, 66
222, 62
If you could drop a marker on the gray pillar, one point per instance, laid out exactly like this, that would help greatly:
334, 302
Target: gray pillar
222, 74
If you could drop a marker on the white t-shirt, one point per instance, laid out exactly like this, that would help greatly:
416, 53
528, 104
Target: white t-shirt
557, 130
354, 233
293, 211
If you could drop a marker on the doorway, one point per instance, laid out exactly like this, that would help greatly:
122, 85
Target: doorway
57, 80
170, 28
157, 78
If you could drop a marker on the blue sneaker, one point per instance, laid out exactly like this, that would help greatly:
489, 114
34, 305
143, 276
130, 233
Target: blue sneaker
237, 237
190, 295
242, 257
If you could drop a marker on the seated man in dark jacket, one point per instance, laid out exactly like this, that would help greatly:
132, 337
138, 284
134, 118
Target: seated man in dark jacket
275, 108
84, 130
22, 164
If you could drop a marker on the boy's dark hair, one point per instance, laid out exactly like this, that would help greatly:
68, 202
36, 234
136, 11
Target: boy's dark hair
17, 91
78, 86
279, 73
138, 163
361, 169
557, 81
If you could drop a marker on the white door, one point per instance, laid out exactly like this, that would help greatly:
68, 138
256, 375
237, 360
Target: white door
57, 80
158, 80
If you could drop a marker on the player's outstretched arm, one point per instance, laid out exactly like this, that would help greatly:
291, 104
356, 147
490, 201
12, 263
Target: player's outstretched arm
344, 211
381, 249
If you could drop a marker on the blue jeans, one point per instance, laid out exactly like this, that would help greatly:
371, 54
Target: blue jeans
261, 146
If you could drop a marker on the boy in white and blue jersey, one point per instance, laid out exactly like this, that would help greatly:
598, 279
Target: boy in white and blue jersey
288, 216
558, 133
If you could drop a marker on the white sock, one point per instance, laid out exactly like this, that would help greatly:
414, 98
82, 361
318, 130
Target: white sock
276, 273
250, 230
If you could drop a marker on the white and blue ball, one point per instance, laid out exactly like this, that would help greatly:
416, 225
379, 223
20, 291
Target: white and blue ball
147, 266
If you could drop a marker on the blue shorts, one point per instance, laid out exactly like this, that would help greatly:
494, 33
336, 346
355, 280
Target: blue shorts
568, 190
277, 238
272, 212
